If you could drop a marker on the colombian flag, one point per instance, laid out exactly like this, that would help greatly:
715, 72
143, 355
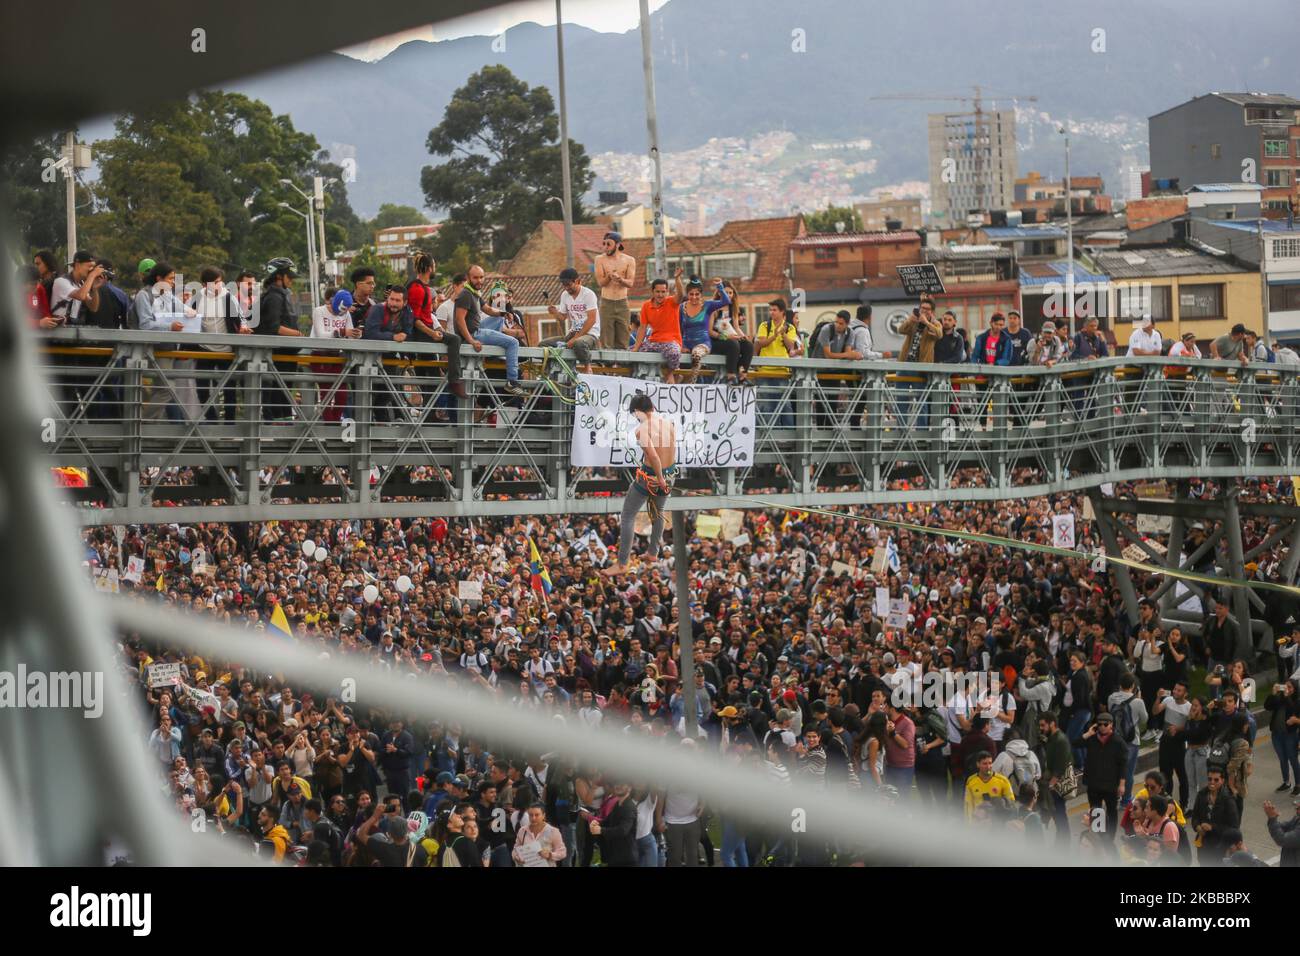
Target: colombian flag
68, 477
541, 579
279, 622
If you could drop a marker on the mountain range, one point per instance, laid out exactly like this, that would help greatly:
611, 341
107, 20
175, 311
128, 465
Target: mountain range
744, 67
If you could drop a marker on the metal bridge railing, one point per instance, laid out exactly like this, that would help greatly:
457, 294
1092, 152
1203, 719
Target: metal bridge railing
239, 427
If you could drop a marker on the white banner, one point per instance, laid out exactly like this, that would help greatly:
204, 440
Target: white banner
470, 590
164, 675
134, 570
1063, 530
715, 423
898, 608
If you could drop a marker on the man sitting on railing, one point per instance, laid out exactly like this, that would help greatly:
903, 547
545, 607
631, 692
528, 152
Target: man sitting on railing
660, 329
423, 301
389, 321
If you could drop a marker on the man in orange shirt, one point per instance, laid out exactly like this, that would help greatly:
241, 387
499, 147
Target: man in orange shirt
661, 326
615, 274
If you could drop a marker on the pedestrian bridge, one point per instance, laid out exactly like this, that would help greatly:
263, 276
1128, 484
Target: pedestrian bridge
828, 433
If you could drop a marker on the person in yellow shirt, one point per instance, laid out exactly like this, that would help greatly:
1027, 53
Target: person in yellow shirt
778, 337
986, 787
271, 831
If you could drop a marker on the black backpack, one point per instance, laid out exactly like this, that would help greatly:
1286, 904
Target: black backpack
1125, 725
1219, 754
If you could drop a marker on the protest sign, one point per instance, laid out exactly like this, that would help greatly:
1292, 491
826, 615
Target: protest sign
164, 675
715, 423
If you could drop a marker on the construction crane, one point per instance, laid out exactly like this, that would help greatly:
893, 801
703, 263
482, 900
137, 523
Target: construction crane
982, 139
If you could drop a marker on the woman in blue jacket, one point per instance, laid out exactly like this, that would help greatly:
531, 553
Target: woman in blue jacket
695, 318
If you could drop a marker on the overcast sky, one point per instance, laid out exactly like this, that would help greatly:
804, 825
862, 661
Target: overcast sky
607, 16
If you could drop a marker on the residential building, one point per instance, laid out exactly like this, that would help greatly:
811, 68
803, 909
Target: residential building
631, 220
1047, 197
543, 252
1183, 289
1231, 137
394, 244
979, 279
1225, 200
878, 214
754, 254
971, 169
838, 271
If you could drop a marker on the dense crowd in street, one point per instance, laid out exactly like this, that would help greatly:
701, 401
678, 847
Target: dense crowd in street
1050, 689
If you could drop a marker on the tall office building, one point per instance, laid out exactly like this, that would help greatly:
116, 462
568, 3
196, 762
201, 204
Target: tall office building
971, 169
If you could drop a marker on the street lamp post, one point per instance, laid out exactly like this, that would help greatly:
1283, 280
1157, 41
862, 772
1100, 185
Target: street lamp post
318, 197
311, 250
652, 129
313, 267
1069, 237
564, 142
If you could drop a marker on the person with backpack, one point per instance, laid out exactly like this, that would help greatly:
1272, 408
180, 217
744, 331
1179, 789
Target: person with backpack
422, 301
1130, 713
219, 313
1018, 763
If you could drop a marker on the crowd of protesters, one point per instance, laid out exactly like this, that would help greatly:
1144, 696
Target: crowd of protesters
797, 672
688, 321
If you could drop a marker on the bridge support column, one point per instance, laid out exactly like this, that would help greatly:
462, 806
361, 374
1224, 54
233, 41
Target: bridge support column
1106, 525
1237, 569
685, 640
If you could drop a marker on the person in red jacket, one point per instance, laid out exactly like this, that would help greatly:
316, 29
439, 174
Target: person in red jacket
422, 300
37, 299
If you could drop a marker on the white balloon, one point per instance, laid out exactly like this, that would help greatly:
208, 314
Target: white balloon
321, 554
404, 584
371, 594
309, 547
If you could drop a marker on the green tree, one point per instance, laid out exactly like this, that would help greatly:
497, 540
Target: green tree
503, 139
33, 196
392, 214
199, 181
824, 220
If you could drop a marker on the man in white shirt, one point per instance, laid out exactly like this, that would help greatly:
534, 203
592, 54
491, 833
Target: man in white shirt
1145, 340
71, 290
999, 708
579, 311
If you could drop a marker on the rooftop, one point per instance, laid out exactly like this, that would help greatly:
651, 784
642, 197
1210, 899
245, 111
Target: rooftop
1006, 233
1046, 273
814, 239
1162, 261
1224, 188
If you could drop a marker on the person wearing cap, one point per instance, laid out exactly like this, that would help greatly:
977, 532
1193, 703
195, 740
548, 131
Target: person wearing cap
333, 320
579, 316
1046, 350
69, 292
615, 274
1145, 340
1104, 769
278, 316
